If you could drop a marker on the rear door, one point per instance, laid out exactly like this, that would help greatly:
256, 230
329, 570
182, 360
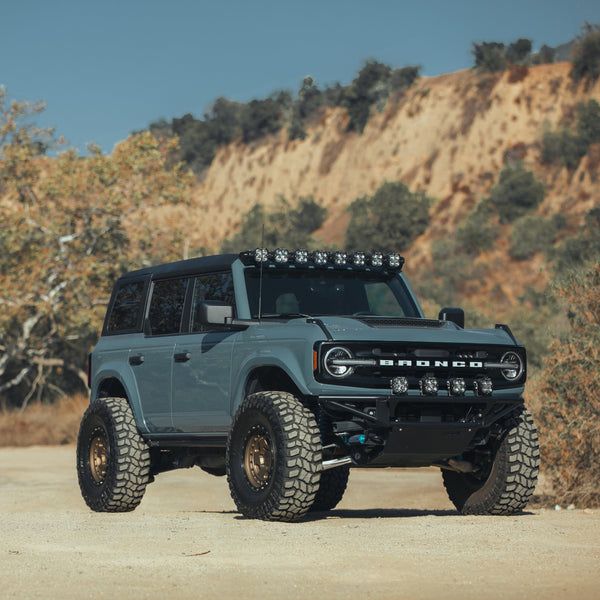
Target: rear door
151, 354
202, 363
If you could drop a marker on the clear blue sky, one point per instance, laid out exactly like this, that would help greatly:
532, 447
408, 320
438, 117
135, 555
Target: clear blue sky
108, 67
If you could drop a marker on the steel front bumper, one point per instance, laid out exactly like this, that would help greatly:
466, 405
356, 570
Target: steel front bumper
420, 430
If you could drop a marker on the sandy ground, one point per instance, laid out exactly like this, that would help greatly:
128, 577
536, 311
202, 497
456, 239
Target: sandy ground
394, 536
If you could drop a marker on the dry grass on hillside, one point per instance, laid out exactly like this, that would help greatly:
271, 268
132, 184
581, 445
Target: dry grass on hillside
43, 424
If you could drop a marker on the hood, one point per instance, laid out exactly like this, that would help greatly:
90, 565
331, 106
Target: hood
347, 329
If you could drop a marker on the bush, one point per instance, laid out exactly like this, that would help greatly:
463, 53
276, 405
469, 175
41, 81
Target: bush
403, 78
516, 193
390, 220
562, 147
566, 147
260, 118
533, 234
566, 399
310, 99
586, 55
545, 55
582, 247
369, 87
518, 52
490, 56
284, 226
588, 122
479, 231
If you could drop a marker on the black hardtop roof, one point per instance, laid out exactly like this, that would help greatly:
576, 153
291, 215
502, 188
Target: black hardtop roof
218, 262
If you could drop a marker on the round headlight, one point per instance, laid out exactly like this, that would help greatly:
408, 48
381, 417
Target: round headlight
334, 354
515, 366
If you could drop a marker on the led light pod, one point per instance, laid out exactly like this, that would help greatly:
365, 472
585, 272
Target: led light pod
339, 258
281, 255
483, 386
261, 255
301, 257
428, 385
320, 257
457, 386
393, 260
358, 258
399, 385
376, 259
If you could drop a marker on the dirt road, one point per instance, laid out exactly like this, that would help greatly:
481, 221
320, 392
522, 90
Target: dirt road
394, 536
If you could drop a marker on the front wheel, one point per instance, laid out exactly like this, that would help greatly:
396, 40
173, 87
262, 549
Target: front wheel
273, 457
113, 461
505, 485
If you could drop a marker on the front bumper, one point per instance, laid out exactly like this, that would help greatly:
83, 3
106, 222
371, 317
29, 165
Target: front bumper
419, 430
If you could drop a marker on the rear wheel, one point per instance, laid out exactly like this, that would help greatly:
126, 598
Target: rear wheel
113, 461
273, 457
505, 484
331, 489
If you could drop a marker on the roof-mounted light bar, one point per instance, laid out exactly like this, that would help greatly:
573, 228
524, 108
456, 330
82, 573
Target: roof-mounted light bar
323, 259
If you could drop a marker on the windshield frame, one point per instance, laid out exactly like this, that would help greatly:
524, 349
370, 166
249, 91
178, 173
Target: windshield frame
402, 292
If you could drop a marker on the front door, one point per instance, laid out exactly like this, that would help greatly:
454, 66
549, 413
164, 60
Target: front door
201, 383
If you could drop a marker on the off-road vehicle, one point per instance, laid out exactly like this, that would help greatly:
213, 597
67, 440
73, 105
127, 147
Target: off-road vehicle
283, 370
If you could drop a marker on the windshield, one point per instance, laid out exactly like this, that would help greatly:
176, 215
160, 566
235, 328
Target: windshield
321, 293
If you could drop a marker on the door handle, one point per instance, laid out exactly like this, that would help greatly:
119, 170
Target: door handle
182, 356
135, 360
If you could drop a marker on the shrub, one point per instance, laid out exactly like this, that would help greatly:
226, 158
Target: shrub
391, 219
519, 51
260, 118
566, 399
586, 55
310, 99
490, 56
533, 234
580, 248
284, 226
588, 122
403, 78
369, 87
479, 231
562, 147
545, 55
516, 193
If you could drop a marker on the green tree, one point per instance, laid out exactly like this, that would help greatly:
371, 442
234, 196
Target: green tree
390, 220
586, 55
63, 242
489, 56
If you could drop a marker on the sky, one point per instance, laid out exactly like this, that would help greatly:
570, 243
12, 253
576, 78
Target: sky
108, 68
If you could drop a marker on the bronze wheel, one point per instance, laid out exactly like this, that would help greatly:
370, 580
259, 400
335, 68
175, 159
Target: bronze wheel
98, 456
258, 458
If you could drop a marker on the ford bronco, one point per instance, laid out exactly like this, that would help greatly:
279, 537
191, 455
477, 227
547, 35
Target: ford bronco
284, 369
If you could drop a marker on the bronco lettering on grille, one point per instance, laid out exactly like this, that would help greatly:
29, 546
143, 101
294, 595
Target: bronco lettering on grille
455, 364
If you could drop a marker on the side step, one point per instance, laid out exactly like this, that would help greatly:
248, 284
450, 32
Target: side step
336, 462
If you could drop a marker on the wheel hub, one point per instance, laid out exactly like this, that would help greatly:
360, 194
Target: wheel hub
258, 459
98, 457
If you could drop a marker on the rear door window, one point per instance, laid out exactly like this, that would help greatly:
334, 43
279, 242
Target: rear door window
126, 312
166, 306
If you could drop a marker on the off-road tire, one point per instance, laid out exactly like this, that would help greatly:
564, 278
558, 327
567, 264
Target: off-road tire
296, 468
331, 489
512, 477
128, 462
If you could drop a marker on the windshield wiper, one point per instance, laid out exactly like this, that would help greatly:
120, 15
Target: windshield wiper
290, 315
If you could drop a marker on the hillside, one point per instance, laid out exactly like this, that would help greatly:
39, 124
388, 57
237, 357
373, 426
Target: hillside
447, 136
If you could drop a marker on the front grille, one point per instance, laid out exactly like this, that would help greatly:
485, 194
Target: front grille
400, 322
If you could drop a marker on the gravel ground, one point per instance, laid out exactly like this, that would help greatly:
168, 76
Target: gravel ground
395, 535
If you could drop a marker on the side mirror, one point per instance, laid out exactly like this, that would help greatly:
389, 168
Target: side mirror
213, 312
456, 315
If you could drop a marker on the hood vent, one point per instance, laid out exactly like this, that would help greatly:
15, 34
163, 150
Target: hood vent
400, 322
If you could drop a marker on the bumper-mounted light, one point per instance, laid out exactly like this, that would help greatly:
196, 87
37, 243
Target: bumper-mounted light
399, 385
428, 385
483, 386
457, 386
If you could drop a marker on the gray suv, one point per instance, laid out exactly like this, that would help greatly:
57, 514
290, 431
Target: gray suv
282, 370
